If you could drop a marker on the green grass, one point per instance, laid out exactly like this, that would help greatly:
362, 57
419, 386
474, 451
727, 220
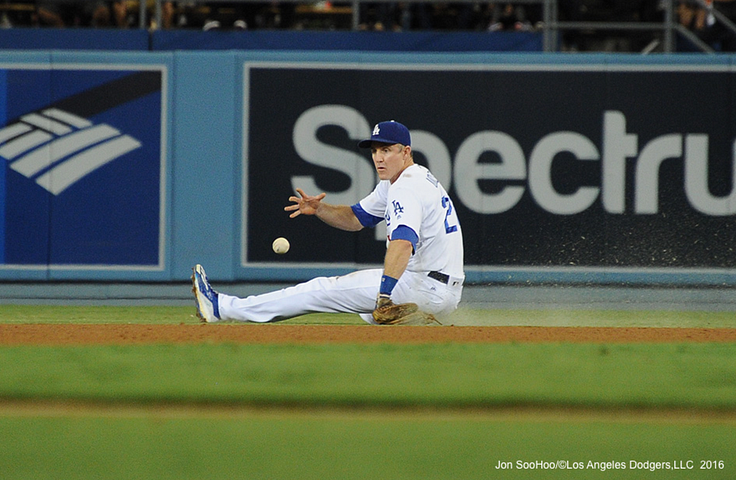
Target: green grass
150, 315
350, 411
58, 314
316, 446
438, 375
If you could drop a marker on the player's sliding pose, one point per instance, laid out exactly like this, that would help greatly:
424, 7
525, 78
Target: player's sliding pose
422, 275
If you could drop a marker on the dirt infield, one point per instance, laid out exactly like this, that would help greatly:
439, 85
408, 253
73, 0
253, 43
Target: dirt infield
114, 334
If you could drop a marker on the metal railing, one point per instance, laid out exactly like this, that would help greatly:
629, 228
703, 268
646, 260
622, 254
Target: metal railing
670, 26
551, 28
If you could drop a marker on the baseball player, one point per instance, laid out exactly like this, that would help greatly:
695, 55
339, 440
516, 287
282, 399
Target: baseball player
422, 276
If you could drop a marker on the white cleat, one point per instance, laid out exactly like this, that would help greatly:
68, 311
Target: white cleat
204, 297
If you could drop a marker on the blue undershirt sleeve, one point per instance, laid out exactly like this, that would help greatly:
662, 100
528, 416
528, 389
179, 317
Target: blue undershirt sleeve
402, 232
365, 218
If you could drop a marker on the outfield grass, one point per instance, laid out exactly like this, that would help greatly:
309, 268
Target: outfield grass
322, 446
350, 411
434, 375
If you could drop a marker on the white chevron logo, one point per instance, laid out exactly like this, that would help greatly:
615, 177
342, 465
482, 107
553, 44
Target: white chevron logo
57, 148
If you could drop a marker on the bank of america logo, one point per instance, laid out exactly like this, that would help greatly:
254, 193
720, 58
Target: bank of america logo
56, 148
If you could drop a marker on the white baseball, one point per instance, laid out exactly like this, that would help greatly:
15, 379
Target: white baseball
280, 245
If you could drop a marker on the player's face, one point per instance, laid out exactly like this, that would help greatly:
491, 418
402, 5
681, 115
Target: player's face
390, 160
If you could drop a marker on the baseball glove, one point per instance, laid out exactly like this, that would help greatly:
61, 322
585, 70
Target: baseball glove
390, 313
417, 318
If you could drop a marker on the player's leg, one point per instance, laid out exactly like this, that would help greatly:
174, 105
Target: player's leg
430, 295
352, 293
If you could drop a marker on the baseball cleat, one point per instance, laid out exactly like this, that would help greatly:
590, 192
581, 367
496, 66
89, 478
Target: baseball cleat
204, 297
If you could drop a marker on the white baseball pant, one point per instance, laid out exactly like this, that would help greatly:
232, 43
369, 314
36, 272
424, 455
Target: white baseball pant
352, 293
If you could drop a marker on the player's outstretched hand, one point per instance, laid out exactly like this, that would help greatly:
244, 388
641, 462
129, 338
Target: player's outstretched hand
304, 204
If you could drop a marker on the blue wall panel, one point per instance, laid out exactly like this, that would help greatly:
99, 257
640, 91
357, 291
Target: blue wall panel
73, 39
29, 39
207, 150
348, 41
85, 156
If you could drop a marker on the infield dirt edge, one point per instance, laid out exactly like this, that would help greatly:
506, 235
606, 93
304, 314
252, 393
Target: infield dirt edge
130, 334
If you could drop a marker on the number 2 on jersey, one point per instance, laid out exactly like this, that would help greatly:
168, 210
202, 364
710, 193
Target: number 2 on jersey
447, 205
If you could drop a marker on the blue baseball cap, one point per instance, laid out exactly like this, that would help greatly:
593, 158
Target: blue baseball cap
388, 132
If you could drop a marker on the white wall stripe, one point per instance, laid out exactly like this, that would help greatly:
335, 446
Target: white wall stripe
65, 174
46, 123
35, 161
67, 117
12, 131
22, 144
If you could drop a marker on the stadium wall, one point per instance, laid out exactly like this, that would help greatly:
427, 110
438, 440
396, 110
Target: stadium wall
133, 166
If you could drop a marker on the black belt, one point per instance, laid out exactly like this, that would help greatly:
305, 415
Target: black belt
440, 277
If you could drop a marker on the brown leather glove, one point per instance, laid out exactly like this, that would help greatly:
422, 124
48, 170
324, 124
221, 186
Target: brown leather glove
389, 313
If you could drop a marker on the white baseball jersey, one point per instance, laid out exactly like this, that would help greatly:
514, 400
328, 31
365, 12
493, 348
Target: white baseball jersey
417, 200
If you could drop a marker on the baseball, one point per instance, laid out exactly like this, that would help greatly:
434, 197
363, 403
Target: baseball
280, 245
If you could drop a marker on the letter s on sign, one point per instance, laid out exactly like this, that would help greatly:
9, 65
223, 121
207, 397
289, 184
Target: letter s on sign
351, 163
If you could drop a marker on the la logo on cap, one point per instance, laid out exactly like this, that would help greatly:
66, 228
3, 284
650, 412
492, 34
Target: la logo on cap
376, 130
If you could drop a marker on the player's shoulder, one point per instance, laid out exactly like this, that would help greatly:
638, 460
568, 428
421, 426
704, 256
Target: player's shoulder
418, 178
382, 187
417, 183
413, 176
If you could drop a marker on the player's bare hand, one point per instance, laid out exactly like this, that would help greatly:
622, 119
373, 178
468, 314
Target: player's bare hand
304, 204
